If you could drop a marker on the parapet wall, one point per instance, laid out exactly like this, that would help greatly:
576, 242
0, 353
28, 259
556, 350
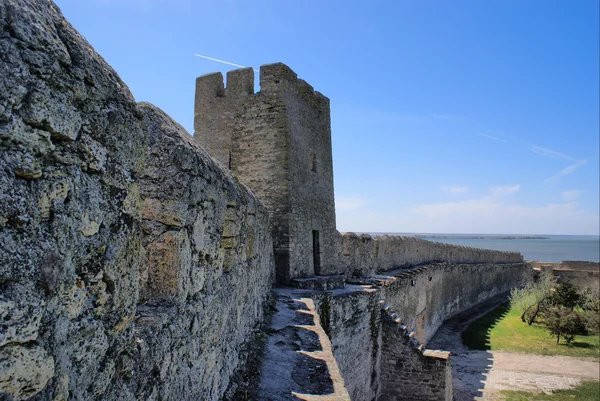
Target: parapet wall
364, 255
208, 267
352, 320
427, 296
382, 352
132, 266
408, 371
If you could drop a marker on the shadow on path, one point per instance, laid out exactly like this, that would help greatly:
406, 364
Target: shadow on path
480, 374
470, 368
477, 334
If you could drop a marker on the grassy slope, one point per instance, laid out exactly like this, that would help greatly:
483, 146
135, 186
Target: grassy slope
503, 330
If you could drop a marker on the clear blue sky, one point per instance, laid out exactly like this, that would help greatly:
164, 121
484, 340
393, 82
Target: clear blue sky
447, 116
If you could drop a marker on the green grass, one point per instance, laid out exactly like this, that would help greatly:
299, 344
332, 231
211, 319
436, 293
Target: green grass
502, 330
586, 391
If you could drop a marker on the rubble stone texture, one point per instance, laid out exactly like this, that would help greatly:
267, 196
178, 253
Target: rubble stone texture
123, 246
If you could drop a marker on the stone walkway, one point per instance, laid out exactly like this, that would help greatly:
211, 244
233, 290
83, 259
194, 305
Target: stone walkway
479, 375
298, 362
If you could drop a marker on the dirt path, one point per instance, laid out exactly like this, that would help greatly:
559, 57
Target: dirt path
479, 375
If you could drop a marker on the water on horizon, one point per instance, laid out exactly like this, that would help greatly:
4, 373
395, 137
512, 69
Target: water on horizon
546, 248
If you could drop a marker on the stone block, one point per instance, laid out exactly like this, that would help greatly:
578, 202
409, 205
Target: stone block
169, 264
24, 370
168, 212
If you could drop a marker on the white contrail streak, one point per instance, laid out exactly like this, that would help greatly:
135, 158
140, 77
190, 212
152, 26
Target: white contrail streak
221, 61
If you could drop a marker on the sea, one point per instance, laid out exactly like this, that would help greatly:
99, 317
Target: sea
544, 248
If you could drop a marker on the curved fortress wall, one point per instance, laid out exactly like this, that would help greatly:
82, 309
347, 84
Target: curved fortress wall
278, 142
379, 334
132, 266
365, 255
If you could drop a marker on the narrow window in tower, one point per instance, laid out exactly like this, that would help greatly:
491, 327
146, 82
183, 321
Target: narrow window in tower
313, 161
229, 161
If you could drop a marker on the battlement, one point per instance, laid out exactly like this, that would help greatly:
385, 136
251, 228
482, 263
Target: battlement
274, 78
239, 83
364, 255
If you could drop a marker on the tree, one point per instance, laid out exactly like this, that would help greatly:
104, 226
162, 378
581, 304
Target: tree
535, 298
566, 295
591, 309
562, 321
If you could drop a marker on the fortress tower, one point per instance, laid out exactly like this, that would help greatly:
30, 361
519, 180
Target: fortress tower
278, 143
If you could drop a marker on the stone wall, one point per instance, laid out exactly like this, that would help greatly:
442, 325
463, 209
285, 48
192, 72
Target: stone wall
132, 266
425, 297
364, 255
208, 269
278, 142
352, 320
584, 275
580, 265
408, 372
383, 353
311, 180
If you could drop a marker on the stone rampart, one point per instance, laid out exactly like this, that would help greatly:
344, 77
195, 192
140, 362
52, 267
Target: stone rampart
373, 346
584, 275
408, 370
364, 255
426, 296
352, 320
580, 265
132, 266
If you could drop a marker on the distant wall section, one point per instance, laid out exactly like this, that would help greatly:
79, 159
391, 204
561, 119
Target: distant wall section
364, 255
584, 275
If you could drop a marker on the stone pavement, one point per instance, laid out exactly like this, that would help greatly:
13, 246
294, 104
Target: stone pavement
499, 379
478, 375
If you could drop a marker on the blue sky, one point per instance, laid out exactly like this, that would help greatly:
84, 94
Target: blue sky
447, 116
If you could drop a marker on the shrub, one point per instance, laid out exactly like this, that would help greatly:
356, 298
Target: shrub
591, 309
565, 322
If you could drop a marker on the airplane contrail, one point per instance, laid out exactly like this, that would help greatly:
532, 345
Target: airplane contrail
221, 61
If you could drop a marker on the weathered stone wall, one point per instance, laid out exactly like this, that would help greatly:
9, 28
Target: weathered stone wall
352, 320
311, 180
208, 269
71, 144
407, 371
364, 255
131, 265
278, 142
586, 280
378, 356
424, 297
383, 355
580, 265
584, 275
217, 110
